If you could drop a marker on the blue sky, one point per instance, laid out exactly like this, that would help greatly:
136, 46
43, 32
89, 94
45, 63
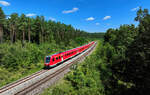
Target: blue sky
88, 15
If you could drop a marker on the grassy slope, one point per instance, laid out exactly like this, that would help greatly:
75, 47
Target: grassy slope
85, 79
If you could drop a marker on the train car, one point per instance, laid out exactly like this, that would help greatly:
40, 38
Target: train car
55, 59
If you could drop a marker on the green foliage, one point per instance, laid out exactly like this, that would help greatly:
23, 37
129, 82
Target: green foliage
127, 52
138, 58
13, 55
80, 40
97, 35
38, 30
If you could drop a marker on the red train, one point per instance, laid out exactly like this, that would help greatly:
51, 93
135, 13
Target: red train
53, 60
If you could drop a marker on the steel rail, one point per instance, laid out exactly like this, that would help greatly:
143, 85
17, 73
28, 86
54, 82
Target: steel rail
11, 85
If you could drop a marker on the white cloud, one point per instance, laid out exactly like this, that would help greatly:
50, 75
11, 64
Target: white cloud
97, 23
134, 9
52, 19
30, 14
4, 3
106, 17
90, 19
70, 11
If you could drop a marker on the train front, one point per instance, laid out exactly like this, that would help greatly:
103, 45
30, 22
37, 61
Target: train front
47, 61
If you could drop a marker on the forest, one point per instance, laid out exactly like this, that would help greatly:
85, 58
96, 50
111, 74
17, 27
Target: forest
35, 30
118, 66
25, 41
128, 57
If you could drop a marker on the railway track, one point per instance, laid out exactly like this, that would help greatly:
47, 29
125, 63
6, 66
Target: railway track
11, 85
26, 85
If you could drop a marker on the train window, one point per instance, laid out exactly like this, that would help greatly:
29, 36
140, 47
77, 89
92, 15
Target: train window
47, 59
53, 59
59, 57
56, 58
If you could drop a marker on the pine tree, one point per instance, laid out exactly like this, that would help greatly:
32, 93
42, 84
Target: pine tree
29, 29
13, 22
2, 19
23, 26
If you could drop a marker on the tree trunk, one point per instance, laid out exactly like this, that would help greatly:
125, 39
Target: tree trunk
15, 36
12, 34
23, 36
42, 34
1, 34
29, 35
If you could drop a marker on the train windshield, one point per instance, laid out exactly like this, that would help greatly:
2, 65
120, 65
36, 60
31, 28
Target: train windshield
47, 59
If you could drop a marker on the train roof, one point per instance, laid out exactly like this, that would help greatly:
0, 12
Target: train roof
67, 50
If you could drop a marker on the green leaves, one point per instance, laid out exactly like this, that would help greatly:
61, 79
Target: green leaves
129, 52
